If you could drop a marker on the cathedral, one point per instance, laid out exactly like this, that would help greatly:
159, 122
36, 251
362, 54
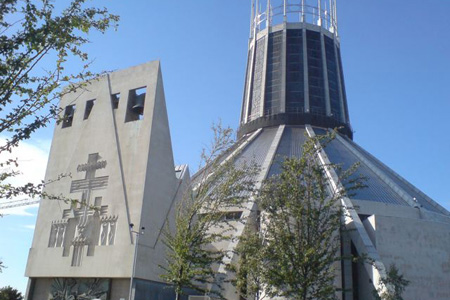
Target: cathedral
115, 144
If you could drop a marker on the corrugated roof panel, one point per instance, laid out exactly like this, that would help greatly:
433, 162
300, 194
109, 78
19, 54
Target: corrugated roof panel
291, 145
421, 198
376, 190
257, 150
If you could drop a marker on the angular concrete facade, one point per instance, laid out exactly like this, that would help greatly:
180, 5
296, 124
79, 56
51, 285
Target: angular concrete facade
294, 89
115, 144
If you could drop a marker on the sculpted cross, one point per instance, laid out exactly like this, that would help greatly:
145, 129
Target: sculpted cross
90, 182
86, 186
93, 226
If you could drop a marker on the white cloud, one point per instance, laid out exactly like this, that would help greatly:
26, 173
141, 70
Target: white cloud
32, 157
32, 226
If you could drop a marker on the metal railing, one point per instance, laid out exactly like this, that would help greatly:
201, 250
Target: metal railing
273, 12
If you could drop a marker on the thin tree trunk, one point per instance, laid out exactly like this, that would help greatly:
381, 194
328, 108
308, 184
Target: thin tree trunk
178, 288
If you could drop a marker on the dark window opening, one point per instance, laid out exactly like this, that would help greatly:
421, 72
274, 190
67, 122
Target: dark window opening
295, 99
233, 215
68, 116
136, 102
364, 217
315, 74
115, 98
333, 85
88, 109
226, 216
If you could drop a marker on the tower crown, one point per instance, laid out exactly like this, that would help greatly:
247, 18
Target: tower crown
294, 71
318, 12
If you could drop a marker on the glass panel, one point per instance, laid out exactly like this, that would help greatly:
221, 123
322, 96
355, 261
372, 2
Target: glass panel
273, 79
347, 119
295, 97
333, 85
315, 74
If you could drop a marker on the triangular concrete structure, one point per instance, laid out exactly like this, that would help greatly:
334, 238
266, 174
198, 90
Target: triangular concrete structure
118, 154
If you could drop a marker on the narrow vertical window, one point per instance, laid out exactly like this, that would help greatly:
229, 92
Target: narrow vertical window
103, 233
53, 234
68, 116
88, 108
273, 80
107, 231
112, 232
115, 100
315, 74
136, 102
77, 254
60, 235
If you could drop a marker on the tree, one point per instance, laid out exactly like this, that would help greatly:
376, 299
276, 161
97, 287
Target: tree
299, 236
248, 279
36, 42
392, 286
9, 293
204, 218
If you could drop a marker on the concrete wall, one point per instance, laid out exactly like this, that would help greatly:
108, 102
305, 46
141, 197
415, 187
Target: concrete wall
416, 241
134, 175
421, 251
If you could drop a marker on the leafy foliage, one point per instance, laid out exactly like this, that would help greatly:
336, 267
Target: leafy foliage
9, 293
36, 42
394, 285
297, 245
248, 280
202, 219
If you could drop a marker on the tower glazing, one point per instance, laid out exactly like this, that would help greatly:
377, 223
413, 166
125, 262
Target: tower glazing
294, 72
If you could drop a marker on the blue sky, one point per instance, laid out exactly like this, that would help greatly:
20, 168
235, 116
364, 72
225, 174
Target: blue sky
396, 66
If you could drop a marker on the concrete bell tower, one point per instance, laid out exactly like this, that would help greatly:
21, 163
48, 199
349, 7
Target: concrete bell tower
114, 146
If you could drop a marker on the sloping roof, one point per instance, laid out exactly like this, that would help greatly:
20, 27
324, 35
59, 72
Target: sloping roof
383, 184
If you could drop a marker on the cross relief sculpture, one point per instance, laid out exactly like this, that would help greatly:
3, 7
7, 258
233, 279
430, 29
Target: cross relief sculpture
82, 228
